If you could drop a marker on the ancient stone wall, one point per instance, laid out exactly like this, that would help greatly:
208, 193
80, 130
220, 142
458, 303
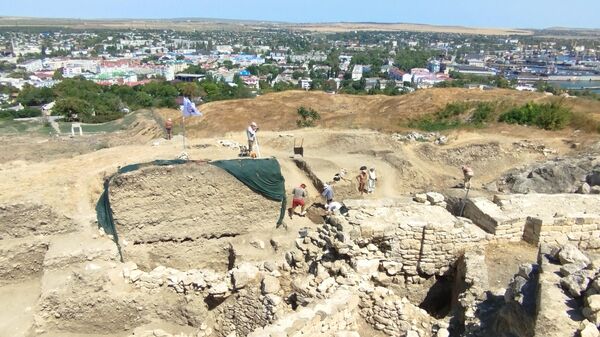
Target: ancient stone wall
539, 218
583, 231
408, 235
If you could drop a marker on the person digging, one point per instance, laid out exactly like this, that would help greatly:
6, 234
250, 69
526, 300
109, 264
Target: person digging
298, 193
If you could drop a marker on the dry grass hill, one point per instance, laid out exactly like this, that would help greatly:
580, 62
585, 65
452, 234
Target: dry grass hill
277, 111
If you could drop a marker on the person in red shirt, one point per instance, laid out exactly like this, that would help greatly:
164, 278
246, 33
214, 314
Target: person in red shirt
169, 128
299, 193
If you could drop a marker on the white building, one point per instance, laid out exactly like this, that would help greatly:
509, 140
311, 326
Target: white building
357, 72
31, 66
305, 83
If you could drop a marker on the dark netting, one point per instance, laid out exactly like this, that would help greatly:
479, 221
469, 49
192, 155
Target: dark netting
260, 175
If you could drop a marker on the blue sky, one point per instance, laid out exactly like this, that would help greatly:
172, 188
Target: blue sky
480, 13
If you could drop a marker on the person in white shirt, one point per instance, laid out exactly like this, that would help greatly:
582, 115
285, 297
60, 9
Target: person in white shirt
333, 206
251, 134
372, 178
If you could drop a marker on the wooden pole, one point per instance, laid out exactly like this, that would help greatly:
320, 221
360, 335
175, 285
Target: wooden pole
183, 123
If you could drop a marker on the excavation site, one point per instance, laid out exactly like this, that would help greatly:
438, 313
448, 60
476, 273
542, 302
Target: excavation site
146, 238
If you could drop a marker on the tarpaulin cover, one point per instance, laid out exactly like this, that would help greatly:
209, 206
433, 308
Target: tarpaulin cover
262, 176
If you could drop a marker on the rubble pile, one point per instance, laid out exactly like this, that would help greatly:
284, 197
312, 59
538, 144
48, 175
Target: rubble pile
413, 136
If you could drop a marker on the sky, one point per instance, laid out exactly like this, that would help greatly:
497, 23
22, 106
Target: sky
474, 13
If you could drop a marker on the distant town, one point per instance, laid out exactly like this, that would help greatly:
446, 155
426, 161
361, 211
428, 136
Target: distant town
232, 64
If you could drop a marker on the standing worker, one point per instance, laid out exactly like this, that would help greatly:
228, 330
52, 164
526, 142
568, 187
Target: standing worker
372, 180
327, 193
299, 193
251, 134
361, 179
169, 128
467, 175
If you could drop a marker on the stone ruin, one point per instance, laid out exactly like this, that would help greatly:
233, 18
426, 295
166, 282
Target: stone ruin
391, 267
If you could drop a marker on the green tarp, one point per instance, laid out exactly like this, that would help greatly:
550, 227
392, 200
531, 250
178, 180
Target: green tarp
262, 176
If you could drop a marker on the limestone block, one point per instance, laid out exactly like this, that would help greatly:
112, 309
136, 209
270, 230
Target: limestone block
593, 302
570, 254
588, 330
270, 285
243, 274
576, 283
420, 198
434, 197
366, 266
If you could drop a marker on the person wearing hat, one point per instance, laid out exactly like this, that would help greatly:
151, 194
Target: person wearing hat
298, 193
467, 175
361, 179
169, 128
372, 178
251, 134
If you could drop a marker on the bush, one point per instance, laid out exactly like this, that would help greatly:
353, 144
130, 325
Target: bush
548, 116
452, 110
308, 117
483, 113
25, 113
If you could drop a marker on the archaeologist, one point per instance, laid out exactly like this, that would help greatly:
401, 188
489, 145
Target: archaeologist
334, 207
467, 175
341, 176
298, 193
327, 193
251, 134
372, 178
169, 128
361, 178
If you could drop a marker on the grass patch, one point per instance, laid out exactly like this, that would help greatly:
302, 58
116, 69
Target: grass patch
11, 127
108, 127
583, 121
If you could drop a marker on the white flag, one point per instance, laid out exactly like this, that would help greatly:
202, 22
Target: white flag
189, 108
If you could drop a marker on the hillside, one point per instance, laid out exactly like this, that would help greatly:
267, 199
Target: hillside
277, 111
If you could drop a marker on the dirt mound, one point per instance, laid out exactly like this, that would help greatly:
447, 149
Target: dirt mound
186, 216
474, 153
23, 220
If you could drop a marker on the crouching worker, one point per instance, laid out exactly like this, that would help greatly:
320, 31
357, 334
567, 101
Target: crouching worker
334, 207
299, 194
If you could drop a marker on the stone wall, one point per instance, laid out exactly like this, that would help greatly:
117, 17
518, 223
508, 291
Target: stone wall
421, 239
539, 218
396, 316
332, 317
493, 220
583, 231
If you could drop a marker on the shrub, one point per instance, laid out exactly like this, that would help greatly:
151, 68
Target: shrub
308, 117
452, 110
548, 116
24, 113
483, 113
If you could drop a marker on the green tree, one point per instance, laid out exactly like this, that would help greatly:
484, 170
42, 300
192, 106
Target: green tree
71, 107
32, 96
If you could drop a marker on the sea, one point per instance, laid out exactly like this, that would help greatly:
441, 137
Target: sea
593, 85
